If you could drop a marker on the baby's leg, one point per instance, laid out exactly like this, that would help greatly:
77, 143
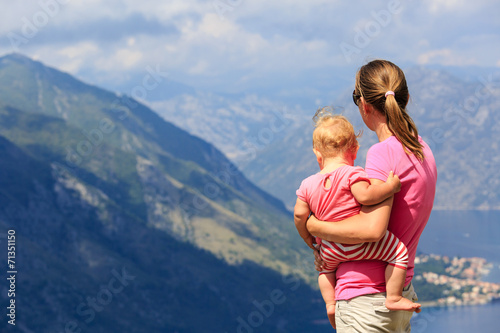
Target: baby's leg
395, 280
393, 251
327, 286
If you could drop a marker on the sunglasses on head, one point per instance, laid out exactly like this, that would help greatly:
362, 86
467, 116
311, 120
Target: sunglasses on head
355, 97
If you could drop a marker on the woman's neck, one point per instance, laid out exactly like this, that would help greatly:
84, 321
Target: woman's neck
383, 132
380, 127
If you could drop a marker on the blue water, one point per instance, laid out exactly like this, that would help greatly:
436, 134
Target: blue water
465, 234
466, 319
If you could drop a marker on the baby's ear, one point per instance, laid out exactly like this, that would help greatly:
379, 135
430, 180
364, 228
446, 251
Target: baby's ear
319, 157
354, 153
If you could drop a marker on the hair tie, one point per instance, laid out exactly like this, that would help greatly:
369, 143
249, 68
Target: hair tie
390, 92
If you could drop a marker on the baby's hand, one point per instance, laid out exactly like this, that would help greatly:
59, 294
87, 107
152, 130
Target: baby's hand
393, 181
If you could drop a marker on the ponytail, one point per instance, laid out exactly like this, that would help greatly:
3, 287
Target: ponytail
383, 85
403, 127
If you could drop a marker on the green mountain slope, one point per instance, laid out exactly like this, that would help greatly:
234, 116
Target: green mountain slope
96, 185
85, 263
166, 177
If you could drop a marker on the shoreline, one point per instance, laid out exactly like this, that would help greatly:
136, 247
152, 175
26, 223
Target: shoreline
442, 304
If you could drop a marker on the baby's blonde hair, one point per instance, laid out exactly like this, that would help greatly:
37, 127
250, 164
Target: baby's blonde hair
334, 134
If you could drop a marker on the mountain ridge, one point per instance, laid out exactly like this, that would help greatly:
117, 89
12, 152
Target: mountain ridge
150, 291
101, 187
455, 117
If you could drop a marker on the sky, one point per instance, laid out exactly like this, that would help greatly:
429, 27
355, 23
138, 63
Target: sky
239, 46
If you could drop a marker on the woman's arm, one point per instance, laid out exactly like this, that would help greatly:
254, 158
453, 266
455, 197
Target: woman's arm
369, 225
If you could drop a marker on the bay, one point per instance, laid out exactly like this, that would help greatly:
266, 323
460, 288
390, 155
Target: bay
463, 319
463, 234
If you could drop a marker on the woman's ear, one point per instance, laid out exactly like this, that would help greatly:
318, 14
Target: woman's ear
367, 108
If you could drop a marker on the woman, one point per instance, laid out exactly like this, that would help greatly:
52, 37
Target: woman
381, 95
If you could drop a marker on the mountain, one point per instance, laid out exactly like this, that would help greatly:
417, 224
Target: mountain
124, 222
456, 116
240, 126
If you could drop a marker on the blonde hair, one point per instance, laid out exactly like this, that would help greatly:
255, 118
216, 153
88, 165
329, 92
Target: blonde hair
373, 81
334, 134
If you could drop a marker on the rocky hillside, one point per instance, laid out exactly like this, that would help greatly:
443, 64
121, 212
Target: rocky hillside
457, 117
126, 223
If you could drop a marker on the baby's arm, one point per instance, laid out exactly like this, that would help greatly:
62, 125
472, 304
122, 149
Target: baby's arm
367, 194
300, 214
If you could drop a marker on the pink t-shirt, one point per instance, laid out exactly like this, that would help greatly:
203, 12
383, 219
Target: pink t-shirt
410, 212
336, 202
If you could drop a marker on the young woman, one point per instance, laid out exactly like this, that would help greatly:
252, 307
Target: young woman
381, 95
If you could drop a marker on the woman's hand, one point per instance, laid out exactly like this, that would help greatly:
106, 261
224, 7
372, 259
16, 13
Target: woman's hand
318, 262
310, 241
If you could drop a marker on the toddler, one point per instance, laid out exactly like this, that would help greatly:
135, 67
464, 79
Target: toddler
337, 192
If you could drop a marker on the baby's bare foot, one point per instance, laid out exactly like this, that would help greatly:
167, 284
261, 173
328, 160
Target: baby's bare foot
402, 303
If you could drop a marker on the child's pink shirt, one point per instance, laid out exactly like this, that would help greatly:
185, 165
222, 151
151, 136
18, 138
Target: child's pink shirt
410, 213
336, 202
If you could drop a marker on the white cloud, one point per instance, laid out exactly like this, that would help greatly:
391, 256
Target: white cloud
472, 49
256, 42
213, 26
437, 6
73, 57
446, 7
79, 50
199, 68
445, 57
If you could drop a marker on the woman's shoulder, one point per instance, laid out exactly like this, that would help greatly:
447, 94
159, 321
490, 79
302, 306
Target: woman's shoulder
390, 143
383, 157
391, 153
